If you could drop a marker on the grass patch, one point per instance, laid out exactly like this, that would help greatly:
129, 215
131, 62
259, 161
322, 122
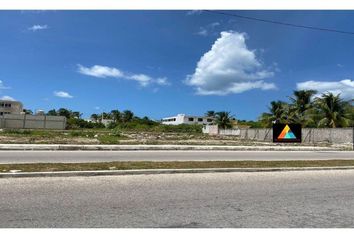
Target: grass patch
44, 167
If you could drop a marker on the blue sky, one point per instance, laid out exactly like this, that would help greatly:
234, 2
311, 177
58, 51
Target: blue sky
160, 63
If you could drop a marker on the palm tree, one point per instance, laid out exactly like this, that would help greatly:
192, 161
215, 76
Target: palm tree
301, 107
128, 116
332, 111
223, 119
64, 112
210, 114
116, 115
76, 115
94, 117
278, 113
52, 112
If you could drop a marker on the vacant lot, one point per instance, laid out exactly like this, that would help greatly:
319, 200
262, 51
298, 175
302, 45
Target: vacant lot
106, 136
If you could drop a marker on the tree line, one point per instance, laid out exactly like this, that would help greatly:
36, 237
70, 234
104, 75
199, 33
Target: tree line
123, 118
305, 107
309, 110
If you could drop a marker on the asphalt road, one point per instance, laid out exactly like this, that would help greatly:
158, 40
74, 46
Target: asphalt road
104, 156
270, 199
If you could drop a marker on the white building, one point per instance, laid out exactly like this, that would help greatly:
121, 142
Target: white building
10, 107
187, 119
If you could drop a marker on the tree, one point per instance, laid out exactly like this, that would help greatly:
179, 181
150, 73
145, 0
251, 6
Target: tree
76, 115
52, 112
301, 108
223, 119
104, 115
94, 117
64, 112
28, 111
116, 115
333, 111
127, 116
351, 112
278, 113
210, 114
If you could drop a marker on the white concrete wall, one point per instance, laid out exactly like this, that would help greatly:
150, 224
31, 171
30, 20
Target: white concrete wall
309, 135
22, 121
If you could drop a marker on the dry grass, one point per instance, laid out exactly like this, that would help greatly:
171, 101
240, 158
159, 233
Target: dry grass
44, 167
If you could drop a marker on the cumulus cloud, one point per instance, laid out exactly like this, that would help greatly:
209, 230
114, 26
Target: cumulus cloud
7, 98
2, 86
35, 28
343, 87
104, 72
229, 67
62, 94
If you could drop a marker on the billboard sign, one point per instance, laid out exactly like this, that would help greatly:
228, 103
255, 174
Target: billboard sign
287, 133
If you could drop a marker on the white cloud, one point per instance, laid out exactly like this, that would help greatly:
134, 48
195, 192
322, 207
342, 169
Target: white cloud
202, 32
7, 98
2, 86
229, 67
62, 94
100, 71
163, 81
143, 79
343, 87
208, 29
35, 28
104, 71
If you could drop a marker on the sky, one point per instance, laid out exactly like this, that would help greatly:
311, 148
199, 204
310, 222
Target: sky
161, 63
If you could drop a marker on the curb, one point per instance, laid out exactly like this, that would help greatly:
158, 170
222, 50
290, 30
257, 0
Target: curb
70, 147
162, 171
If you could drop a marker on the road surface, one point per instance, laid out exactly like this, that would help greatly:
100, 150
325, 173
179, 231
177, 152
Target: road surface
105, 156
270, 199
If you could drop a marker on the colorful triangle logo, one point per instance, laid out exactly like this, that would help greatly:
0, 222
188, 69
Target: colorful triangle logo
286, 133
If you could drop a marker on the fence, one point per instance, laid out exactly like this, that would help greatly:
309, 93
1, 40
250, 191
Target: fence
23, 121
309, 135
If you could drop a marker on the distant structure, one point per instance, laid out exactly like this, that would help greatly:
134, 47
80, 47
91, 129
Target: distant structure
104, 121
188, 119
12, 116
40, 112
10, 107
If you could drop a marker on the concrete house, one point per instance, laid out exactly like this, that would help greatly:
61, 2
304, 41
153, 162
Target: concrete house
10, 107
187, 119
13, 117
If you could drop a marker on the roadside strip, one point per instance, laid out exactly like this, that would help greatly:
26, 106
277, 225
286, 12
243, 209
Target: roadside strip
70, 147
139, 168
161, 171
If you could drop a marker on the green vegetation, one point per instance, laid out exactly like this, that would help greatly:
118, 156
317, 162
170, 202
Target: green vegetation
328, 110
304, 107
223, 119
46, 167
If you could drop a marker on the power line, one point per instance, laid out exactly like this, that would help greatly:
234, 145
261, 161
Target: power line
279, 23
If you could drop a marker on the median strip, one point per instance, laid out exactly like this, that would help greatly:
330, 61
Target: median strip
13, 169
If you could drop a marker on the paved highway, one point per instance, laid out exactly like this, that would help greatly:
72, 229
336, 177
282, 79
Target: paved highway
270, 199
104, 156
